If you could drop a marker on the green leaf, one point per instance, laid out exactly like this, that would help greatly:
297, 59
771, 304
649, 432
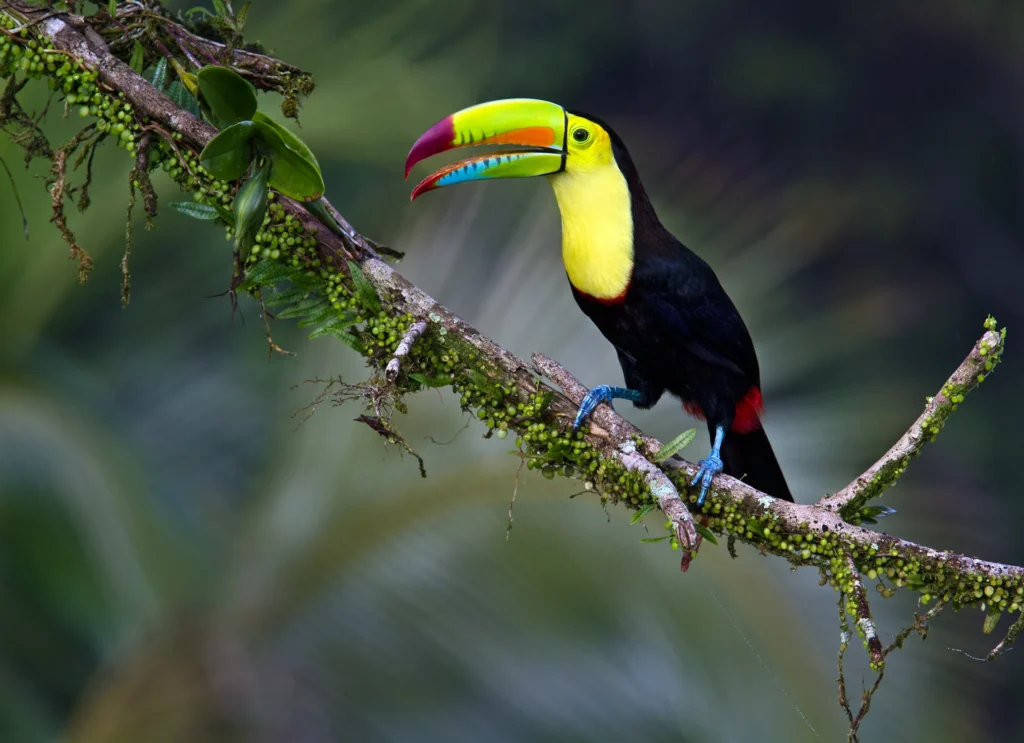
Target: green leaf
303, 279
365, 292
180, 95
643, 512
250, 208
441, 380
675, 445
195, 210
227, 156
320, 315
230, 97
653, 540
226, 214
190, 81
339, 322
288, 296
294, 171
268, 271
303, 308
291, 140
112, 8
348, 339
319, 210
160, 74
138, 57
706, 533
220, 8
243, 14
191, 13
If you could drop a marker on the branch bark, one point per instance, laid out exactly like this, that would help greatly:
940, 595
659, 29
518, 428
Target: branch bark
626, 451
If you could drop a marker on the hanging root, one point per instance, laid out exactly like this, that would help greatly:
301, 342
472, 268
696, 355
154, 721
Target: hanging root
857, 600
920, 626
383, 427
57, 192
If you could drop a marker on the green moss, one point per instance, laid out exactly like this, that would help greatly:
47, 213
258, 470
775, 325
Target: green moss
297, 86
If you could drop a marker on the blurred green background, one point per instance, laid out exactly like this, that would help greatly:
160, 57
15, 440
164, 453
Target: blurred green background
181, 560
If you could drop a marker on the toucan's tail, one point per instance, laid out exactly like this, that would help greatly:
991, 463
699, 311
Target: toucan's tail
749, 456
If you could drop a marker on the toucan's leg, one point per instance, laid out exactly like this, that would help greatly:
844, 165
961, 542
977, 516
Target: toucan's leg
709, 467
603, 393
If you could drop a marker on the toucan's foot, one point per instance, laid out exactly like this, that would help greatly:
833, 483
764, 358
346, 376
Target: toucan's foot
708, 468
601, 393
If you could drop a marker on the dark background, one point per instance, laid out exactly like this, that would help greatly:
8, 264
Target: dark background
181, 560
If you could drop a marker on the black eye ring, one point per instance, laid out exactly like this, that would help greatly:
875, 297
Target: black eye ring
580, 135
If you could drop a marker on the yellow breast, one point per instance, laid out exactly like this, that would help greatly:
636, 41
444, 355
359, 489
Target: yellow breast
597, 229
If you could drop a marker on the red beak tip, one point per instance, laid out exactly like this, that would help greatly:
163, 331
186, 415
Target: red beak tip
436, 139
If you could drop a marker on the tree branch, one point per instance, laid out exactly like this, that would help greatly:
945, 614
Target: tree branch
883, 473
626, 451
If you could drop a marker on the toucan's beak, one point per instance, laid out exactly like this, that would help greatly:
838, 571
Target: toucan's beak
535, 129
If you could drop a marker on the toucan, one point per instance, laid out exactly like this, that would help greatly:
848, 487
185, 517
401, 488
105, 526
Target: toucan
658, 303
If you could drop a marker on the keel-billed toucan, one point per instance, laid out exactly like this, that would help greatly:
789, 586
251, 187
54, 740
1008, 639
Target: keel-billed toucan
673, 326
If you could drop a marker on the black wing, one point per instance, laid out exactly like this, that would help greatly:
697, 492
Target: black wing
683, 303
650, 390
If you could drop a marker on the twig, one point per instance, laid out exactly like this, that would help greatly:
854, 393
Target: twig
181, 35
57, 193
455, 435
883, 473
920, 626
381, 426
1011, 635
17, 197
515, 492
188, 55
865, 624
272, 347
249, 63
844, 643
391, 371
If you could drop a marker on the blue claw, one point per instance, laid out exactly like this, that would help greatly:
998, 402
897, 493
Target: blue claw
709, 467
601, 393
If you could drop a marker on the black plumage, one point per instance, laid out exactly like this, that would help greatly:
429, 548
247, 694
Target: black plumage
676, 330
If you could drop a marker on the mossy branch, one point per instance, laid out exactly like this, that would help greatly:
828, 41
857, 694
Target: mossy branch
338, 282
882, 474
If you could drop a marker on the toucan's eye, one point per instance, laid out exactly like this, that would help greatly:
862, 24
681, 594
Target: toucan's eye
581, 135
